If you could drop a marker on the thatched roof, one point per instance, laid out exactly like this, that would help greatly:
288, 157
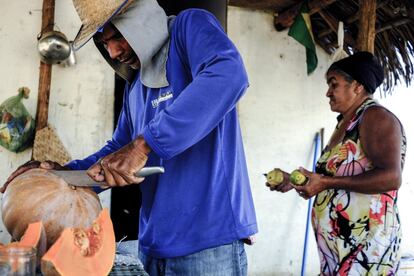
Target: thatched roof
394, 26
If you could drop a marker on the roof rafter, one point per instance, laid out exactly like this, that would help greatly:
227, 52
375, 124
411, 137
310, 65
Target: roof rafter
286, 18
333, 26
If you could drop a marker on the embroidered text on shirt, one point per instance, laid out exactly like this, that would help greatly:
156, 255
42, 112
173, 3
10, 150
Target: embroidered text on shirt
161, 98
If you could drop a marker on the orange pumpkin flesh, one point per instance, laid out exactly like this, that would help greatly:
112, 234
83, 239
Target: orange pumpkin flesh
39, 195
82, 251
34, 237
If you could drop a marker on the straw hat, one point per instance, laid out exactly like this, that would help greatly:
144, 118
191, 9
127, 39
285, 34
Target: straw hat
94, 14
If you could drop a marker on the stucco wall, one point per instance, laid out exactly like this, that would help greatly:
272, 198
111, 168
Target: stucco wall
280, 115
81, 97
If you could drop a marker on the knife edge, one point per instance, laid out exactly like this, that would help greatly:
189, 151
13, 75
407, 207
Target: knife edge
80, 178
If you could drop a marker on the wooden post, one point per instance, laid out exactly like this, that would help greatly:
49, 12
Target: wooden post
45, 70
366, 32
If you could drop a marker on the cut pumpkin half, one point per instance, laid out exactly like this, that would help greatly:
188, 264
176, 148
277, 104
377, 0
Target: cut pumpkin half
80, 251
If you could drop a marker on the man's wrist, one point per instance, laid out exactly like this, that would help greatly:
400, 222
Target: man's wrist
140, 144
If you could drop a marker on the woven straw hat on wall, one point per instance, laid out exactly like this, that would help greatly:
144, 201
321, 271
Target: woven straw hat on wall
94, 14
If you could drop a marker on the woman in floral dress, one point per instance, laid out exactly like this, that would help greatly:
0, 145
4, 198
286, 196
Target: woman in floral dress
355, 216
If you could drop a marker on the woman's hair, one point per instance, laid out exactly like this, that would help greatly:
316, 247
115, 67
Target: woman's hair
347, 77
363, 67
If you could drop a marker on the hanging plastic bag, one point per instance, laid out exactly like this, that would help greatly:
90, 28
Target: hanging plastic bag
339, 52
17, 125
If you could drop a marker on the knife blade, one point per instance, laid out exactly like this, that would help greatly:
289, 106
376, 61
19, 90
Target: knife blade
82, 179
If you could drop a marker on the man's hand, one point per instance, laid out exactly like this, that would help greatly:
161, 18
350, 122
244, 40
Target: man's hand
33, 164
118, 168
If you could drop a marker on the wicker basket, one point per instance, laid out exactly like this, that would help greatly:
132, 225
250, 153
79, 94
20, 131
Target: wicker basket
47, 146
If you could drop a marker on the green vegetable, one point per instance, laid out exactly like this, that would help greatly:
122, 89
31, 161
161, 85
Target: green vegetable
274, 177
298, 178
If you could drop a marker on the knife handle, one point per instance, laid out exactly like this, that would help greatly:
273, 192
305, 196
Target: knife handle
149, 171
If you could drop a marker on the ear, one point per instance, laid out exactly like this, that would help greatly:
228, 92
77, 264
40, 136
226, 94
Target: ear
358, 88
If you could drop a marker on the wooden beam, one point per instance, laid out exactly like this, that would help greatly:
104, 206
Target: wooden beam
330, 20
394, 23
271, 5
348, 21
45, 70
324, 33
333, 24
353, 18
356, 16
318, 5
324, 46
366, 30
286, 18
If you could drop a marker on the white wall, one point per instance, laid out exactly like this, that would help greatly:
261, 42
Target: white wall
280, 115
81, 97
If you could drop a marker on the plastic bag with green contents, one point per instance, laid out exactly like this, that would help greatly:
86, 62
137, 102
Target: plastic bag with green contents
17, 125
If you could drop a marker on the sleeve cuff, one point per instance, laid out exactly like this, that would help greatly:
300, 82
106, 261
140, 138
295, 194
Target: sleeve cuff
149, 138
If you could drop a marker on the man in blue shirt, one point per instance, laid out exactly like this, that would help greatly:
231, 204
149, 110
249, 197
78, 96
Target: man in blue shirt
184, 79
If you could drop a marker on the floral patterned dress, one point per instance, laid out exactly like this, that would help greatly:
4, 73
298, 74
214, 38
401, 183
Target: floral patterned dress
356, 234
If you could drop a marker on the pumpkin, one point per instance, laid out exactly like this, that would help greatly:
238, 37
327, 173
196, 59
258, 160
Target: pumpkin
40, 195
81, 251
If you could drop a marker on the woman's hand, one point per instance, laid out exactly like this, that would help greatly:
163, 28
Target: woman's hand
118, 168
33, 164
313, 186
283, 187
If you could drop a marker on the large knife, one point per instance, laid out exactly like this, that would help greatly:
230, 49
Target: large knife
82, 179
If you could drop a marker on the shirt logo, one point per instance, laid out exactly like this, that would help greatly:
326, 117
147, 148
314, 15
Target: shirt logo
162, 98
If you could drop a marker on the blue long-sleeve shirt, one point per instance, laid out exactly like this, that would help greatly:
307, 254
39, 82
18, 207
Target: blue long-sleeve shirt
203, 199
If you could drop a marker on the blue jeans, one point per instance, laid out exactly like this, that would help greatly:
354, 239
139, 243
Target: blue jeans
225, 260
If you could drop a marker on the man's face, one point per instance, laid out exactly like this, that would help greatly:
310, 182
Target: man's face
117, 46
